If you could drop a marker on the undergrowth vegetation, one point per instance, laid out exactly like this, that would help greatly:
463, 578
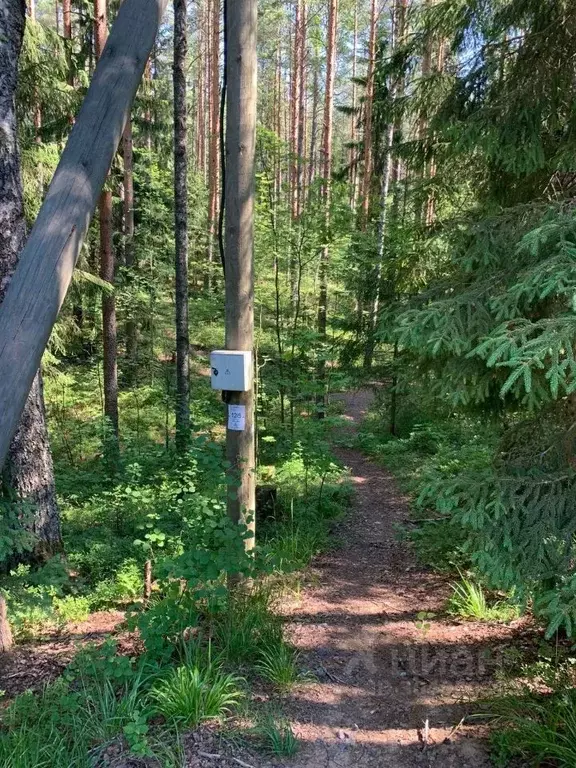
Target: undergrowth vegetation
203, 647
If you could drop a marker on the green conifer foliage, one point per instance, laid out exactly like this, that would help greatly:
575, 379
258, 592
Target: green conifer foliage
495, 326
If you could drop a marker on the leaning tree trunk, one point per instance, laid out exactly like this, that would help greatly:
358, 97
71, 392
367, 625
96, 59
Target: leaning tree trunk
28, 472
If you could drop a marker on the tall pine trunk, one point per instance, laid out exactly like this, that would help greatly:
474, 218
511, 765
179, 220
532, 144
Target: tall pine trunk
66, 20
313, 127
107, 266
28, 472
129, 255
368, 120
181, 224
326, 198
214, 150
301, 73
200, 130
390, 173
353, 153
295, 160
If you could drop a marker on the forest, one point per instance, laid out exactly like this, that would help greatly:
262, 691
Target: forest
362, 550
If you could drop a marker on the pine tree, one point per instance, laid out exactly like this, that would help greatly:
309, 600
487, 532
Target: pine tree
181, 223
29, 473
107, 265
492, 324
214, 149
326, 194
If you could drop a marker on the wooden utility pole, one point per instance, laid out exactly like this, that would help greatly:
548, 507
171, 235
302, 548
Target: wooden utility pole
181, 224
241, 66
39, 284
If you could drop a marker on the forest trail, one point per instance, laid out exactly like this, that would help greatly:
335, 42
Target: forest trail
391, 690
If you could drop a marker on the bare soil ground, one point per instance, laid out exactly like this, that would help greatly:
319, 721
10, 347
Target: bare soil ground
392, 690
34, 664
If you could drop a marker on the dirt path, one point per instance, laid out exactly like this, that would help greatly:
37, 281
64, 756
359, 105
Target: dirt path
392, 690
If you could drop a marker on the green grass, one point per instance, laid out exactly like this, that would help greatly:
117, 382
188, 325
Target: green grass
278, 663
246, 623
190, 695
469, 601
63, 725
539, 729
276, 736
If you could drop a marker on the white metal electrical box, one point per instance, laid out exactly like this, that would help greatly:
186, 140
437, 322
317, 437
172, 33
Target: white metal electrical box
231, 370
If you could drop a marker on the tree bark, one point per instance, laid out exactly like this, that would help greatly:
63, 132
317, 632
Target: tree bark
66, 20
107, 262
326, 197
200, 91
109, 327
384, 191
294, 113
369, 99
181, 224
240, 150
313, 128
213, 160
5, 631
353, 152
301, 73
129, 255
28, 471
390, 172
